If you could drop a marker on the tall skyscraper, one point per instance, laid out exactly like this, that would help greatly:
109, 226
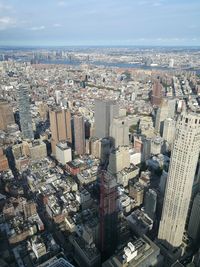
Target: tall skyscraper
169, 131
6, 115
181, 174
105, 111
79, 134
119, 131
166, 110
108, 213
194, 222
25, 112
60, 124
150, 201
156, 96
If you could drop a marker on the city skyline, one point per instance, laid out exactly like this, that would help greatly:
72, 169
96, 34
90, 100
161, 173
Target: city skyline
63, 23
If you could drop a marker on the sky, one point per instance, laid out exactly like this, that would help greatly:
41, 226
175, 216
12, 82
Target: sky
99, 22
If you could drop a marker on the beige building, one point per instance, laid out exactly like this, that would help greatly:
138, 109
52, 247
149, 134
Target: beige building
37, 150
169, 131
6, 115
119, 131
185, 154
60, 125
119, 159
95, 147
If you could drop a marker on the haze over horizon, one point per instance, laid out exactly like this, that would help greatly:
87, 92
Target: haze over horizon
114, 22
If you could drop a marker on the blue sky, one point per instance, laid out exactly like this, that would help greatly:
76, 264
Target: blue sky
99, 22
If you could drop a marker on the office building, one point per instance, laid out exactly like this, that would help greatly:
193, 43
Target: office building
146, 149
181, 174
194, 222
60, 125
95, 147
56, 262
6, 115
3, 161
37, 150
141, 252
166, 110
79, 134
156, 96
150, 201
25, 112
156, 145
108, 213
169, 131
119, 131
63, 153
105, 111
85, 254
136, 191
119, 159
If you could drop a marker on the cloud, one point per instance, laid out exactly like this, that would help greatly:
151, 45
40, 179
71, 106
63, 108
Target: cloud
7, 22
38, 28
57, 25
62, 3
155, 3
4, 7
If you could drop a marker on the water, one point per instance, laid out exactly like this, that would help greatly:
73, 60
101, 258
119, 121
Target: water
111, 64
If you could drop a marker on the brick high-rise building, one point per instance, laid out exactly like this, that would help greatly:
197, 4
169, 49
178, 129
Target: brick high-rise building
108, 213
156, 96
79, 134
60, 124
6, 115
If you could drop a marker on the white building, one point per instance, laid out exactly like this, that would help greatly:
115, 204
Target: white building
63, 153
181, 174
156, 145
119, 159
169, 131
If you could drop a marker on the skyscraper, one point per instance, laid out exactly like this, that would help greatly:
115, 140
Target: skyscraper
119, 131
166, 110
150, 201
169, 131
105, 111
25, 113
60, 124
156, 96
79, 134
181, 173
6, 115
194, 222
108, 213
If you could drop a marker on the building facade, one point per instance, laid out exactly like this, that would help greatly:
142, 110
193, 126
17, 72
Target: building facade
60, 124
105, 111
181, 174
25, 112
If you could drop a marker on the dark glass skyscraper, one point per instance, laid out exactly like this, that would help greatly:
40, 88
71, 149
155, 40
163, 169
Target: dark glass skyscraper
24, 112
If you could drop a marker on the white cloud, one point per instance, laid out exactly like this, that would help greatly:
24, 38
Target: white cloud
57, 25
7, 22
37, 28
155, 3
4, 7
62, 3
